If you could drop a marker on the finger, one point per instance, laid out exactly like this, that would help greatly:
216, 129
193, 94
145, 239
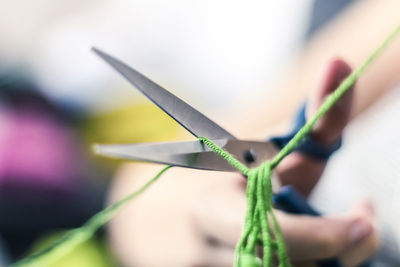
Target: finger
217, 215
219, 211
324, 237
220, 256
356, 254
362, 251
305, 264
330, 126
300, 170
158, 222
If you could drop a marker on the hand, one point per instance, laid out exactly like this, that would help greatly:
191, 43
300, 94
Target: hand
326, 132
194, 218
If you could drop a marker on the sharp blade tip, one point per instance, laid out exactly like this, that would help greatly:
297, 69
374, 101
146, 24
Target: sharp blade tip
98, 52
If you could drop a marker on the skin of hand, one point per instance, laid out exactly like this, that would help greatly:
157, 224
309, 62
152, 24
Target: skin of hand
354, 35
194, 218
326, 132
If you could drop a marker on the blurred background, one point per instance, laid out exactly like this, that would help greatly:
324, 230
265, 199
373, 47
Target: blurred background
57, 98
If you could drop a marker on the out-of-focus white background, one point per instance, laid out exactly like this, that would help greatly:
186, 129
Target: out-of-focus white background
210, 52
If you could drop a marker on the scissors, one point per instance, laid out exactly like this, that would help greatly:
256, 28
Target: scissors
194, 154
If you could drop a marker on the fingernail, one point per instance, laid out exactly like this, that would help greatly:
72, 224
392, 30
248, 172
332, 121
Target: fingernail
359, 230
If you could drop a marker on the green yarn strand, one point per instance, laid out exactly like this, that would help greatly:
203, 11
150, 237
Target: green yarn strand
261, 194
260, 225
259, 212
76, 236
228, 157
332, 99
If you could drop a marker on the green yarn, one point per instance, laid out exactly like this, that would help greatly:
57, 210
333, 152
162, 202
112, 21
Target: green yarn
332, 98
76, 236
260, 226
250, 260
225, 154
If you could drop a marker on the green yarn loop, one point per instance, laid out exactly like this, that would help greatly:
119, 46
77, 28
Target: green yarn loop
260, 226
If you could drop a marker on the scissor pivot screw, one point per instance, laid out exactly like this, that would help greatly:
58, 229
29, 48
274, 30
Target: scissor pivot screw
249, 156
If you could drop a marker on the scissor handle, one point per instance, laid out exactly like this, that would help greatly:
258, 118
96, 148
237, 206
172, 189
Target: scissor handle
307, 145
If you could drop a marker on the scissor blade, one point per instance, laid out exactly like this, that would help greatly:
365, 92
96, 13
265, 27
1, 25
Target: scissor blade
191, 119
192, 154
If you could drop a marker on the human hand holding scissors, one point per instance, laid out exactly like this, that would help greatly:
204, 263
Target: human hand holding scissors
196, 155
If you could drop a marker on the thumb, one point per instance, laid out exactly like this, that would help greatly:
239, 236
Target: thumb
312, 238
